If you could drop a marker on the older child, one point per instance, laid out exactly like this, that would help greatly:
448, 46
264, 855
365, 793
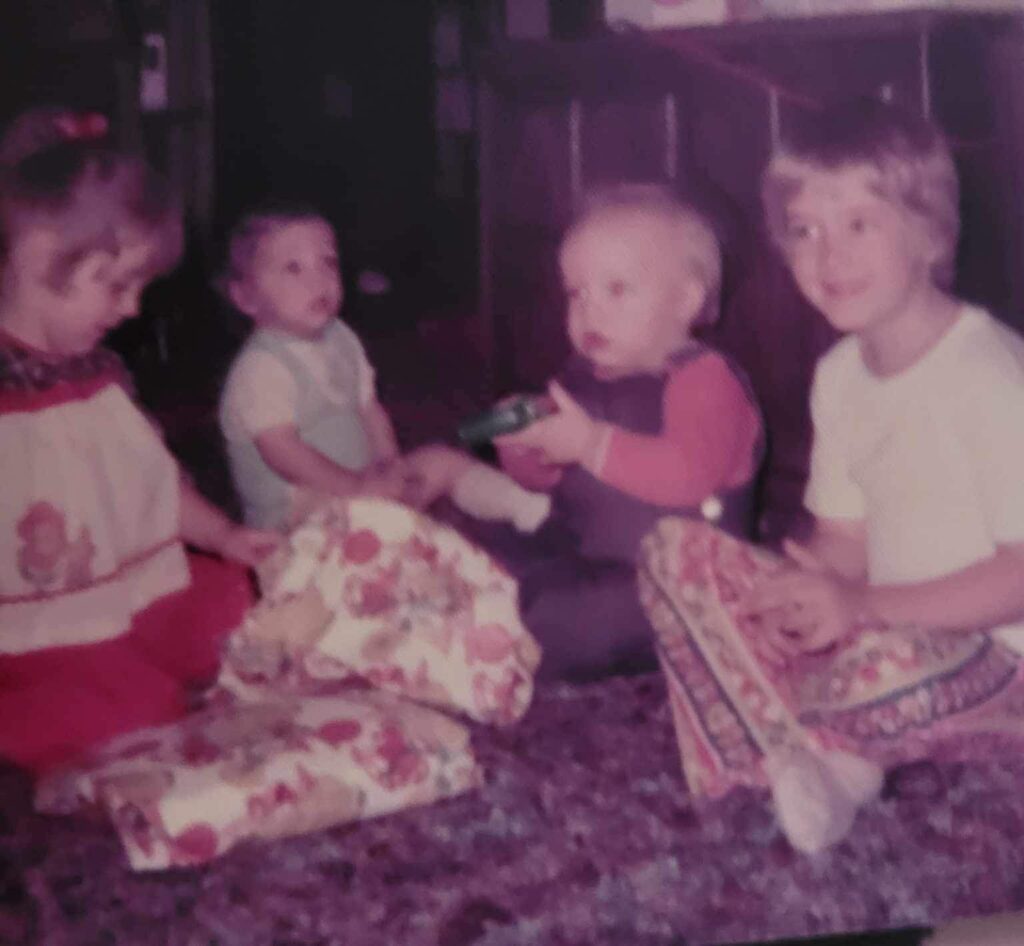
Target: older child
650, 422
916, 467
104, 620
299, 410
918, 413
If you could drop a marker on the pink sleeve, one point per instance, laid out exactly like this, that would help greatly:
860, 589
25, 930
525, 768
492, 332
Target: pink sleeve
707, 442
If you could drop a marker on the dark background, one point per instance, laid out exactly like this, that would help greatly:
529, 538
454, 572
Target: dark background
340, 103
334, 101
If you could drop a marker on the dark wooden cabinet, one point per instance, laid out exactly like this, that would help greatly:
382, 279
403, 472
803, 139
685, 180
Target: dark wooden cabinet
701, 108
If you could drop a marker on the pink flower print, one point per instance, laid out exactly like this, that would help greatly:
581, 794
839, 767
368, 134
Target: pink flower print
198, 750
419, 548
370, 598
334, 540
381, 647
387, 677
361, 546
439, 634
488, 643
337, 731
259, 806
80, 552
197, 844
870, 673
498, 701
392, 762
44, 538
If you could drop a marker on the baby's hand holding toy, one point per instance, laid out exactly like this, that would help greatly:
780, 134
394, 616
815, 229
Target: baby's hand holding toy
570, 435
508, 416
527, 466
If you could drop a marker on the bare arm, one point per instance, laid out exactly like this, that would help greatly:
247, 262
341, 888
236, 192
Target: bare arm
985, 594
202, 524
290, 457
284, 451
206, 527
840, 545
383, 442
815, 605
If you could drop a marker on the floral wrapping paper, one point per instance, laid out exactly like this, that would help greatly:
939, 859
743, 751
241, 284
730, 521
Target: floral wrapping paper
892, 695
372, 589
317, 718
583, 832
184, 793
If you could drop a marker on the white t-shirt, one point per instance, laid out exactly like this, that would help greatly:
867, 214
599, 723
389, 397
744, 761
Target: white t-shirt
930, 459
318, 386
261, 393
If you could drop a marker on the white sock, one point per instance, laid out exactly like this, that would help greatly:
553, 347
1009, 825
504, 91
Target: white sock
486, 493
817, 796
859, 779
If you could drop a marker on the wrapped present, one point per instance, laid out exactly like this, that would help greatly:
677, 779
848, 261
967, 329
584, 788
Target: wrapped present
373, 590
184, 793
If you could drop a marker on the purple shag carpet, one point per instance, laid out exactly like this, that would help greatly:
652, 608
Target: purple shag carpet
583, 834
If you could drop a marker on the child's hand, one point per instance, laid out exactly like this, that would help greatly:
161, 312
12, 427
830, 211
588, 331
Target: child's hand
248, 546
527, 466
569, 436
808, 608
394, 480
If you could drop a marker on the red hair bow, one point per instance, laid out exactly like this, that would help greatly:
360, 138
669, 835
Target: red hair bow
86, 126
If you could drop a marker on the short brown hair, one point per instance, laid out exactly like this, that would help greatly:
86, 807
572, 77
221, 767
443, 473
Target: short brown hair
86, 190
910, 154
253, 226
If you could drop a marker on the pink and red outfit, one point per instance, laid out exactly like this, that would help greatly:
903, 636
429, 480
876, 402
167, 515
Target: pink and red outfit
105, 620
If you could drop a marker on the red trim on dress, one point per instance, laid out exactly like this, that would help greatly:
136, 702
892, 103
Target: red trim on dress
126, 565
63, 392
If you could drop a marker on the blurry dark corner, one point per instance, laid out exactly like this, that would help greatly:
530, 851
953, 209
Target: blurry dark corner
232, 115
574, 19
908, 937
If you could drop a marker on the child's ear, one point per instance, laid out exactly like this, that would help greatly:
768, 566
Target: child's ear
91, 268
693, 296
241, 297
928, 239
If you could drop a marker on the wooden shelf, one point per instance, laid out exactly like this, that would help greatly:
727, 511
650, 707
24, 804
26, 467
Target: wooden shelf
647, 59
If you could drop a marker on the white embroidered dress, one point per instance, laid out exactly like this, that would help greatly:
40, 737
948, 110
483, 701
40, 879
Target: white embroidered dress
90, 508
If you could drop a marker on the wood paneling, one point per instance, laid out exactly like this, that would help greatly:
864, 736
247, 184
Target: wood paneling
967, 70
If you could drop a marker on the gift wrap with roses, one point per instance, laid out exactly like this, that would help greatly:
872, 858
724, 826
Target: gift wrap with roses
371, 589
369, 612
184, 793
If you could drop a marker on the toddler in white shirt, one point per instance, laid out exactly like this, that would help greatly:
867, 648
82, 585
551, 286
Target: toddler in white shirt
299, 409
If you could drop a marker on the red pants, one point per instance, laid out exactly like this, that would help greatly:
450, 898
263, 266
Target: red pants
56, 702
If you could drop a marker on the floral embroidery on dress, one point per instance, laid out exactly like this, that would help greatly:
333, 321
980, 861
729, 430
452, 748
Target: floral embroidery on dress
47, 559
22, 370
